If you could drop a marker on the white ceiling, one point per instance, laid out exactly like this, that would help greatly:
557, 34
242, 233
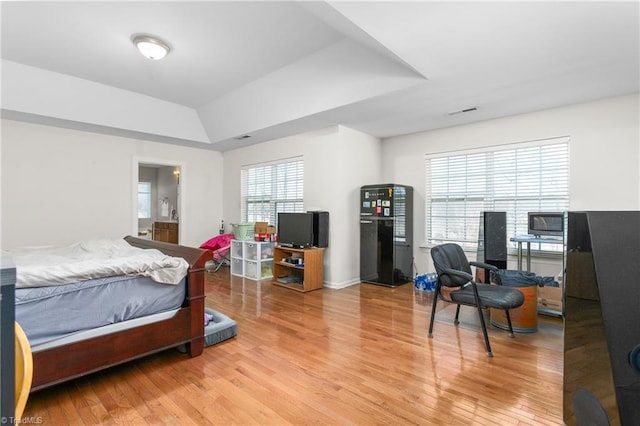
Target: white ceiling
272, 69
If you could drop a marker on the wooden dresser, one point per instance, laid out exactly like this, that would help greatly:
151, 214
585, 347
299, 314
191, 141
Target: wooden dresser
166, 231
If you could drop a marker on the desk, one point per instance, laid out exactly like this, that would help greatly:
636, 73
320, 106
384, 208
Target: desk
536, 240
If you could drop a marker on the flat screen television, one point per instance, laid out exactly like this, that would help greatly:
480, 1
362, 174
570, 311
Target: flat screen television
542, 224
295, 229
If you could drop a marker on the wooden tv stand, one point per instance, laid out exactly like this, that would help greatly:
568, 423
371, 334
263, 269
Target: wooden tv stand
304, 277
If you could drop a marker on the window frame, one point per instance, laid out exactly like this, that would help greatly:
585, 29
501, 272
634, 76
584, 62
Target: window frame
276, 187
149, 196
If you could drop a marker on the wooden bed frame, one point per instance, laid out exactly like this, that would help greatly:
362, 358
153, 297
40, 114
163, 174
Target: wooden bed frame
62, 363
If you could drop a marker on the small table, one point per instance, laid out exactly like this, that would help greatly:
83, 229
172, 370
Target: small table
536, 240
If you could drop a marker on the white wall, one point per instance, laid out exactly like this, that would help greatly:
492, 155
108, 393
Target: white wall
337, 162
604, 154
61, 185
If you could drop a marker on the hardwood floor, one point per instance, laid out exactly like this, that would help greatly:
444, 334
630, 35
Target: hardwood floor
354, 356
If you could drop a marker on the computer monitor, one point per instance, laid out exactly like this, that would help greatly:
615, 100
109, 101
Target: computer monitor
551, 224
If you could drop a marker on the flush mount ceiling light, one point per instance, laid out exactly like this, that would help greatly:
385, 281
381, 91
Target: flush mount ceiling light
151, 47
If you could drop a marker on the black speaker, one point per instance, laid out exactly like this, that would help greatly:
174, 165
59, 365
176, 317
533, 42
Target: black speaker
492, 240
320, 228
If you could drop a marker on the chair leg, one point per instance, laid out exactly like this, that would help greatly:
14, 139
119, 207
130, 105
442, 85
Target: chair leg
219, 265
433, 314
484, 332
506, 311
216, 266
456, 321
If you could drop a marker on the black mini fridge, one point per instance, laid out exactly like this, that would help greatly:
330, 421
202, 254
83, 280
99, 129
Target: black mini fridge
386, 234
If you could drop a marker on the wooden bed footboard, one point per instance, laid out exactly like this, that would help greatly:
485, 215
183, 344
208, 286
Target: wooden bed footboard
62, 363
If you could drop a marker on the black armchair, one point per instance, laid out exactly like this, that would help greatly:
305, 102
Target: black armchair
454, 271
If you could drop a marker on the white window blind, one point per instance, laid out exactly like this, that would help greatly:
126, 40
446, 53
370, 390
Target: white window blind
269, 189
516, 179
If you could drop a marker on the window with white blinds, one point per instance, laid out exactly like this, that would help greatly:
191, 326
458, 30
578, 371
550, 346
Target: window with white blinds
269, 189
517, 179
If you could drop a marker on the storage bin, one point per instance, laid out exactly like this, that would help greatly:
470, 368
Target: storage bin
236, 249
250, 269
266, 269
243, 231
251, 251
236, 267
525, 318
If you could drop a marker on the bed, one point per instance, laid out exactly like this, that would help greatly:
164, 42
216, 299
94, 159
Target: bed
178, 320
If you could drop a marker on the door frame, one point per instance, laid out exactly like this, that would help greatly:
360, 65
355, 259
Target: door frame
182, 210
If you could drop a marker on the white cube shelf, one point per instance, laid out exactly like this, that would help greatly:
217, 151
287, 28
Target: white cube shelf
252, 259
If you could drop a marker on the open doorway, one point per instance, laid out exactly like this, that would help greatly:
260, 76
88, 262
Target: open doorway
158, 201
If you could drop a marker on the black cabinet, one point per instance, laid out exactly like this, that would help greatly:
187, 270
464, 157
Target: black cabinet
602, 313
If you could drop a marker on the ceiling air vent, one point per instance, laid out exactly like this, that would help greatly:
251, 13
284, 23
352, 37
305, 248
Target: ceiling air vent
462, 111
239, 138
